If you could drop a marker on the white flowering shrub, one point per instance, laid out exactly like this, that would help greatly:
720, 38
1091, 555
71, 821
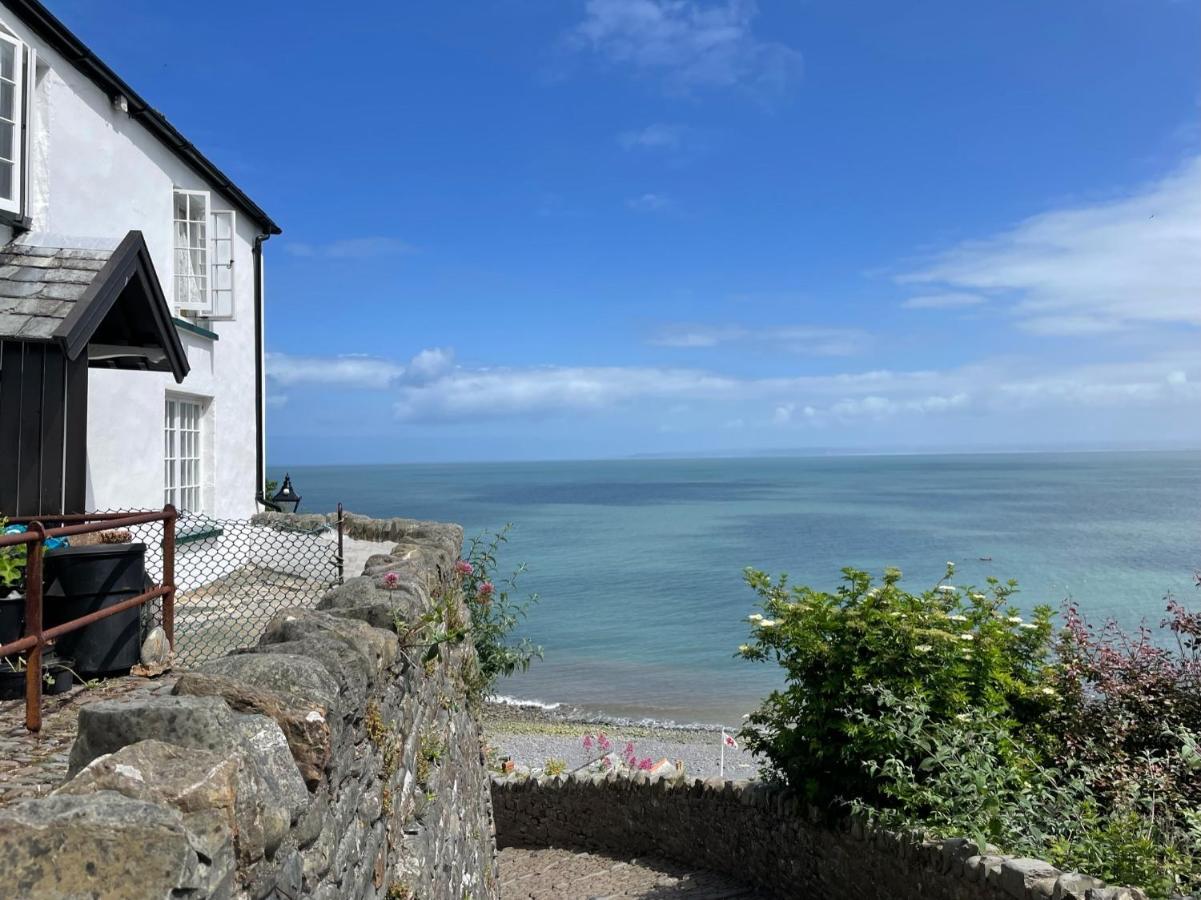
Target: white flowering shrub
957, 651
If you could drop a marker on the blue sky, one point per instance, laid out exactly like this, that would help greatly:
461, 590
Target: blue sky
536, 229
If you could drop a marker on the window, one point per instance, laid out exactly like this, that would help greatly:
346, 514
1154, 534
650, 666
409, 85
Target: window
222, 280
182, 454
191, 250
204, 256
15, 62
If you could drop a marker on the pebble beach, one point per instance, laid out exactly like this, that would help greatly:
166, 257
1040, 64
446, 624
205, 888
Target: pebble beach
531, 734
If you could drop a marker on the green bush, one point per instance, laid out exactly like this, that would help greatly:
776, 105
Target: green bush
954, 650
946, 712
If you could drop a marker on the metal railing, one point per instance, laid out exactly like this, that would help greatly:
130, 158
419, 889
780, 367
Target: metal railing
36, 637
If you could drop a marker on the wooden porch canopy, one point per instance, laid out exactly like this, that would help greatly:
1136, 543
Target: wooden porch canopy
67, 305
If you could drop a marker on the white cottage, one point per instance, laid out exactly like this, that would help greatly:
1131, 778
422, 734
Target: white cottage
131, 295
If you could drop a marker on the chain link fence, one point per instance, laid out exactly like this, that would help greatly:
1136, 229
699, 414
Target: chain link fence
232, 576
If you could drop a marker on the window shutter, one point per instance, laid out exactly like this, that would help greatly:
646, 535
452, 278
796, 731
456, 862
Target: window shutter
223, 272
191, 242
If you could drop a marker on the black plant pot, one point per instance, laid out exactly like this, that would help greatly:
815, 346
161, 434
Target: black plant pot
12, 618
83, 580
56, 678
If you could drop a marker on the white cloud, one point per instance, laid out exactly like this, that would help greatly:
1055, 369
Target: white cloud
802, 339
948, 300
350, 248
277, 401
1091, 268
648, 203
342, 371
355, 370
688, 44
657, 136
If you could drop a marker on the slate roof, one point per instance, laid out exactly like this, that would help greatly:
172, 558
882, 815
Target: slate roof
82, 291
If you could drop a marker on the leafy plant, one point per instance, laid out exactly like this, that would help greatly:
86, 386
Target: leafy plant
953, 649
12, 563
494, 611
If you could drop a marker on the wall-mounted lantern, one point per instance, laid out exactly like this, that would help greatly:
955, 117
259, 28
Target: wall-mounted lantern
286, 498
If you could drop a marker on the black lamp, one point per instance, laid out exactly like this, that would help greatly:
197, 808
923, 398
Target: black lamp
286, 498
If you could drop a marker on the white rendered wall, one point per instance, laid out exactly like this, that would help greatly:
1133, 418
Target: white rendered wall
94, 172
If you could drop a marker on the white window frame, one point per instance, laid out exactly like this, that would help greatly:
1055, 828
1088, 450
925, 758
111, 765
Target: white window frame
21, 67
184, 449
194, 244
224, 299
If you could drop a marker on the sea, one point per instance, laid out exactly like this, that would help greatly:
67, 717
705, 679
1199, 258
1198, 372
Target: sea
638, 563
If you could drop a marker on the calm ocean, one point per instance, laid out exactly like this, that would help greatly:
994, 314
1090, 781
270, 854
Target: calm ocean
639, 562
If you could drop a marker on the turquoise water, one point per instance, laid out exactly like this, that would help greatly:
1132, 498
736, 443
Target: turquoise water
639, 562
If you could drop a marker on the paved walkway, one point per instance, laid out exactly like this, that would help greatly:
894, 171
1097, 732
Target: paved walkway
551, 874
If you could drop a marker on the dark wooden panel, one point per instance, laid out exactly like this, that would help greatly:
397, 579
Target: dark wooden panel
10, 424
54, 401
28, 470
75, 468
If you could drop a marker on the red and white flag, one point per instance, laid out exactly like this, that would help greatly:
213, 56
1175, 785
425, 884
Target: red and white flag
729, 741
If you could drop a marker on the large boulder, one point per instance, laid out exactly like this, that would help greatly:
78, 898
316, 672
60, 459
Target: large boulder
296, 675
369, 600
305, 724
377, 647
119, 848
201, 784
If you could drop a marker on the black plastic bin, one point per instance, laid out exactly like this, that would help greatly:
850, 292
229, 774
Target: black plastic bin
82, 580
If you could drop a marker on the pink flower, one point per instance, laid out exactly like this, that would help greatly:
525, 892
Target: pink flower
463, 567
629, 751
486, 588
587, 742
391, 579
646, 764
606, 763
603, 742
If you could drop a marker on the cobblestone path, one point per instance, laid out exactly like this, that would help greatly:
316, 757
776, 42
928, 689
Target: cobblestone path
31, 765
551, 874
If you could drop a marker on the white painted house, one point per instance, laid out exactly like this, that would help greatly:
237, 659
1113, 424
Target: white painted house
85, 161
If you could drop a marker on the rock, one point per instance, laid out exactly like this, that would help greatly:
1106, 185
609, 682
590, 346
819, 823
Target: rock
377, 647
305, 724
156, 649
293, 674
203, 723
380, 607
1020, 875
118, 847
1075, 886
201, 784
268, 752
350, 671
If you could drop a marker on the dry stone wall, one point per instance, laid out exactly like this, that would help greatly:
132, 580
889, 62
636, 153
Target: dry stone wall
331, 760
764, 835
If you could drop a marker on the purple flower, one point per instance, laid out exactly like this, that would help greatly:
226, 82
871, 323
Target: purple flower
646, 764
391, 579
603, 742
587, 742
463, 567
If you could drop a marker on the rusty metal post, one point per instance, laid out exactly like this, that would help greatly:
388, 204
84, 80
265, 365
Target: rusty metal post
169, 518
33, 626
341, 561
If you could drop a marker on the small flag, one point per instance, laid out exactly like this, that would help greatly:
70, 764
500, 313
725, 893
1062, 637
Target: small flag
729, 741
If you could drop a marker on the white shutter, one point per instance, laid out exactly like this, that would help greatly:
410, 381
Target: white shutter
12, 117
190, 224
221, 282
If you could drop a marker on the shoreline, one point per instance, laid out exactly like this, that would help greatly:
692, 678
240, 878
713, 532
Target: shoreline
530, 734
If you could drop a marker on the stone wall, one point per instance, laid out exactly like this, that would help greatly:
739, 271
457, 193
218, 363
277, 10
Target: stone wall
335, 759
766, 836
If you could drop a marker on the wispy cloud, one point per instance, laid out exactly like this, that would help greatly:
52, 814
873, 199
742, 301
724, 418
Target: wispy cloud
805, 339
688, 44
341, 371
350, 248
947, 300
1091, 268
657, 136
648, 203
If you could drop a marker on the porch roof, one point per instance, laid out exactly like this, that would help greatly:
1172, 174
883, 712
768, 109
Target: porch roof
98, 294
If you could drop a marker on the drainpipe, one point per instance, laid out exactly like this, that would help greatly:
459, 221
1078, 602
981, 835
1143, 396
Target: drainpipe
260, 430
